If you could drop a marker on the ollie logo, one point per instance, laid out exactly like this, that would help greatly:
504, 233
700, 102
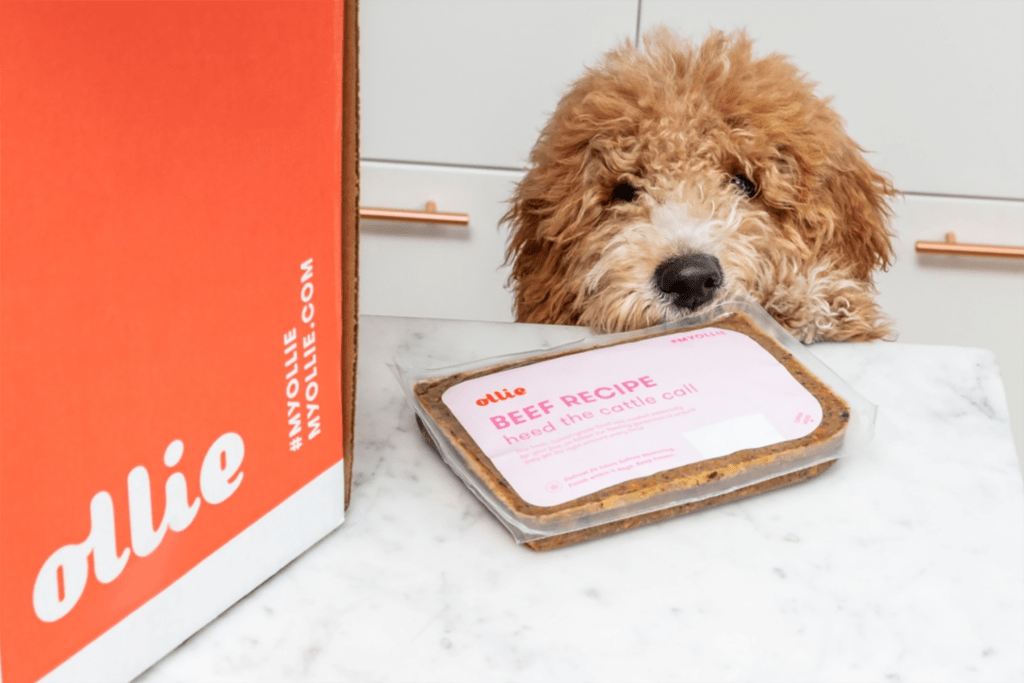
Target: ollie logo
62, 578
502, 395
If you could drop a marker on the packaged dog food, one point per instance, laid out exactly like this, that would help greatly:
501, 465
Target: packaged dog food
622, 430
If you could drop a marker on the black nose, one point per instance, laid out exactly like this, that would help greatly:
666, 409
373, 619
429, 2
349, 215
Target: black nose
690, 280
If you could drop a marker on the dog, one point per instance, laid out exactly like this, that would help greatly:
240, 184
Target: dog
678, 176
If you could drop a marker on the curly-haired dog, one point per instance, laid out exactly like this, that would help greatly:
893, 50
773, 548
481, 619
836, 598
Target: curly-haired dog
677, 176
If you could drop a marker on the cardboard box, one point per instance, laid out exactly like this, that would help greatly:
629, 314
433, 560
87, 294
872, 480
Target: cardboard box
177, 315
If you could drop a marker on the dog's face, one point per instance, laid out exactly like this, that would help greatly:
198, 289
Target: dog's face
675, 177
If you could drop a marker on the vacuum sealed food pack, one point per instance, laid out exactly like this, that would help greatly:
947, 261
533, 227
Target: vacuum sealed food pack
617, 431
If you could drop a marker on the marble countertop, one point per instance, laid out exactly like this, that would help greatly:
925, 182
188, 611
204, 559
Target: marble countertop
905, 562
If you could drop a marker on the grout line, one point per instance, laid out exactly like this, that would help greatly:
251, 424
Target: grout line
523, 169
434, 164
980, 198
639, 9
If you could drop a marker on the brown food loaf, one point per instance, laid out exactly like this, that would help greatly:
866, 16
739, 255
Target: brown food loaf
835, 418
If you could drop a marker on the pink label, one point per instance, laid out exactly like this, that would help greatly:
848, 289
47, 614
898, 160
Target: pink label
563, 428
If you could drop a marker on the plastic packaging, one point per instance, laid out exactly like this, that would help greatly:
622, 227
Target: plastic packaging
616, 431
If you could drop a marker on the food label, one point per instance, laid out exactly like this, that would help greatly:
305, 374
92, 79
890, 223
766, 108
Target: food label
563, 428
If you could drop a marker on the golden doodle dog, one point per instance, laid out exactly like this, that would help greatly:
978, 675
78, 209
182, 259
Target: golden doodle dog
674, 177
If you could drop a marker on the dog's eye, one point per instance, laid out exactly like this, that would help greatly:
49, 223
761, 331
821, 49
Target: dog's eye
624, 192
745, 184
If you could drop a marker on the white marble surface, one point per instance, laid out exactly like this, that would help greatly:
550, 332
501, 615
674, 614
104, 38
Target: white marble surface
904, 562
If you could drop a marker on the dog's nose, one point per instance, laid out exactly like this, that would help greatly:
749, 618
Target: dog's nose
690, 280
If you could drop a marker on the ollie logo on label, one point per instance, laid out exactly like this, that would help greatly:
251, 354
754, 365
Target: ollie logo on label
502, 395
62, 578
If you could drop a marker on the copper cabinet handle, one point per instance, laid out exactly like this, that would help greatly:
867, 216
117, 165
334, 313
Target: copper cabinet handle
951, 246
429, 215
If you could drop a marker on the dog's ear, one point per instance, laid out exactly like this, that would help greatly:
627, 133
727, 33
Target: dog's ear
546, 219
538, 274
524, 253
838, 202
859, 197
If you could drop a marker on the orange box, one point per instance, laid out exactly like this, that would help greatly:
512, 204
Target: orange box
177, 315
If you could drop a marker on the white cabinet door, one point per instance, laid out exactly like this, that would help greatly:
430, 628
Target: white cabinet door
934, 89
418, 270
470, 82
962, 301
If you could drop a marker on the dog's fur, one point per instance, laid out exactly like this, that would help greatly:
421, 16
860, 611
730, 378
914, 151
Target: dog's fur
678, 123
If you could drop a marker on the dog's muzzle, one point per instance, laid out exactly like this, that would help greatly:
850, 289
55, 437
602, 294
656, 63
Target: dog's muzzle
691, 280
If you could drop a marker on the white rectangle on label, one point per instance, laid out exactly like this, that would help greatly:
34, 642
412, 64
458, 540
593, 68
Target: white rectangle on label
737, 434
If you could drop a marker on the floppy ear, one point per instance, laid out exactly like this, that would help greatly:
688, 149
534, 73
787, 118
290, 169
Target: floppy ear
548, 209
858, 199
529, 254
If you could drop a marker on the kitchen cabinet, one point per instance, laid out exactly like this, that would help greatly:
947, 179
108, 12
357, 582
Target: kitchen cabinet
471, 83
442, 271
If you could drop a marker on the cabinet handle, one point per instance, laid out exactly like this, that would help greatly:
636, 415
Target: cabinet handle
951, 246
428, 215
